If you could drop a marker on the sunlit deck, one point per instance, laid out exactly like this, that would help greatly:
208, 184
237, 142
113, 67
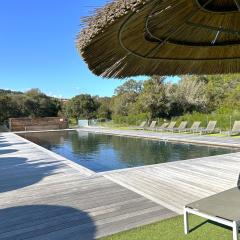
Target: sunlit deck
175, 184
44, 196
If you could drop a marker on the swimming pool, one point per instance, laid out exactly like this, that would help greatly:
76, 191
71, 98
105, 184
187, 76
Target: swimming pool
100, 152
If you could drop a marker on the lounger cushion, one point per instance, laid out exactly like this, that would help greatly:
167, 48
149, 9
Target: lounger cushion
225, 205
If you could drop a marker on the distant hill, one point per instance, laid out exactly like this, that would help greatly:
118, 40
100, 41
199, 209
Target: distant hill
3, 91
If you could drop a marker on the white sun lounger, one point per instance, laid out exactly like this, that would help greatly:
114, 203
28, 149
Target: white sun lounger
142, 125
193, 128
211, 128
170, 126
235, 128
152, 126
162, 127
181, 127
223, 208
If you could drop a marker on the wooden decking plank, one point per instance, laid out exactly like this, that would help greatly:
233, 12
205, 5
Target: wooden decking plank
107, 216
64, 202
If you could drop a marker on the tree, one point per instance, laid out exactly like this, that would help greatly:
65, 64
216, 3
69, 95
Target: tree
189, 95
130, 86
37, 104
6, 107
125, 97
218, 88
104, 107
83, 106
33, 103
232, 100
153, 99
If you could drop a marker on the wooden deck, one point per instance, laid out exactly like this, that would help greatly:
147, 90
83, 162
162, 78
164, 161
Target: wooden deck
45, 196
175, 184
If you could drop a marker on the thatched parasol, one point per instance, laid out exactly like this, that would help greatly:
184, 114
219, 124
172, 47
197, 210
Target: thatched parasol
163, 37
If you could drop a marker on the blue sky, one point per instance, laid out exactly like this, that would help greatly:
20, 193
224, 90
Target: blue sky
37, 48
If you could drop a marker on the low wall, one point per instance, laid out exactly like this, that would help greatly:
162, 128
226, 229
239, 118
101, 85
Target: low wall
36, 124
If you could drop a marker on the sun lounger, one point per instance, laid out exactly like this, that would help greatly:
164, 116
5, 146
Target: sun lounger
181, 127
193, 128
235, 128
142, 125
211, 128
222, 208
169, 127
162, 127
152, 126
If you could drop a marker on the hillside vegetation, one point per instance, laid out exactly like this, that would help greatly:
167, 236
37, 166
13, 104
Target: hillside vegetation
193, 98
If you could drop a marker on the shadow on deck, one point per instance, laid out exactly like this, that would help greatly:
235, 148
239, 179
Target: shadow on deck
44, 222
19, 172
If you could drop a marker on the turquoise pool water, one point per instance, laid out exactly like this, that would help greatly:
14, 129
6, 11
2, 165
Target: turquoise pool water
100, 152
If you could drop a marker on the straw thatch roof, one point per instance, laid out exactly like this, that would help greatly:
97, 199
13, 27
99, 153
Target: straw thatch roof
163, 37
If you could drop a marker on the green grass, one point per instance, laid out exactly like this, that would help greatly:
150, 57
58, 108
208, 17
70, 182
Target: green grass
172, 229
216, 135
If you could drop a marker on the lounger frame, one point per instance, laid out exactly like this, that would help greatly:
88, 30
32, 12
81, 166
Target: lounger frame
170, 127
152, 126
181, 127
233, 224
194, 128
142, 126
235, 129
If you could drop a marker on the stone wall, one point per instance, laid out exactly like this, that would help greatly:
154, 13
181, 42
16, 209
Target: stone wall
36, 124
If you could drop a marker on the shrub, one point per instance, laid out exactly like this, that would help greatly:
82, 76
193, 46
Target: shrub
133, 120
224, 120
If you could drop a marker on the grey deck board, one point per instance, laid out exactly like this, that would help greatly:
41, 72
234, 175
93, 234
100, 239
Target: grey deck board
176, 184
44, 196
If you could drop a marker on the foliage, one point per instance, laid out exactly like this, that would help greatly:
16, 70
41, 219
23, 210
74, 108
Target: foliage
232, 100
153, 99
124, 100
82, 106
224, 120
130, 86
157, 98
38, 104
30, 104
104, 107
7, 107
193, 97
218, 88
133, 119
190, 96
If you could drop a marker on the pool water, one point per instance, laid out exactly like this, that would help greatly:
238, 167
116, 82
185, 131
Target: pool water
100, 152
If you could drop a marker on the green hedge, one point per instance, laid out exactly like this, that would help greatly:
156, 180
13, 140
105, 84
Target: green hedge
224, 121
131, 120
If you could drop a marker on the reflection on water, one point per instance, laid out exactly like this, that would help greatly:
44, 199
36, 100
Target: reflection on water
100, 152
